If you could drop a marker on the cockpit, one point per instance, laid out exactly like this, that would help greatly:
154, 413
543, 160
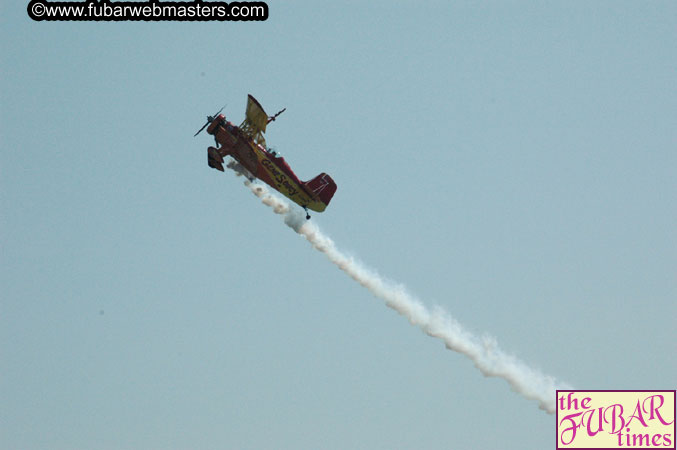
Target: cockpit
273, 152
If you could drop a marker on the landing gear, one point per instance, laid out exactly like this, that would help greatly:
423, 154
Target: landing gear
307, 215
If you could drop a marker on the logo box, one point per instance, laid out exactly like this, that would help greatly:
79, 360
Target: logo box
600, 419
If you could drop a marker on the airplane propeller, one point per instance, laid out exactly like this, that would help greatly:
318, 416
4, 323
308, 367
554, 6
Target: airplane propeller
271, 118
210, 119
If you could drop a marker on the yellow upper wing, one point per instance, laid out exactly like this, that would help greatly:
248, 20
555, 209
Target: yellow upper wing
255, 121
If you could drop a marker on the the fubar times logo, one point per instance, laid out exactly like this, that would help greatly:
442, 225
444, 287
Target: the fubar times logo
615, 419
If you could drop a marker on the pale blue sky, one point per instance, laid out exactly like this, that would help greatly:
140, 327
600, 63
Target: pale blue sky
512, 162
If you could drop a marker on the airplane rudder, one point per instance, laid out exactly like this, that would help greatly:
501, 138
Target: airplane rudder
324, 186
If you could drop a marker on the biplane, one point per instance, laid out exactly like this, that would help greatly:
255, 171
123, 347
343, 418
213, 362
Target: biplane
245, 143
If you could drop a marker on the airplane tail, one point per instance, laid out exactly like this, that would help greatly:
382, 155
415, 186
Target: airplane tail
323, 186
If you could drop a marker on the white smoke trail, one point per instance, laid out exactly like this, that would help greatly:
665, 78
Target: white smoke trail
483, 352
